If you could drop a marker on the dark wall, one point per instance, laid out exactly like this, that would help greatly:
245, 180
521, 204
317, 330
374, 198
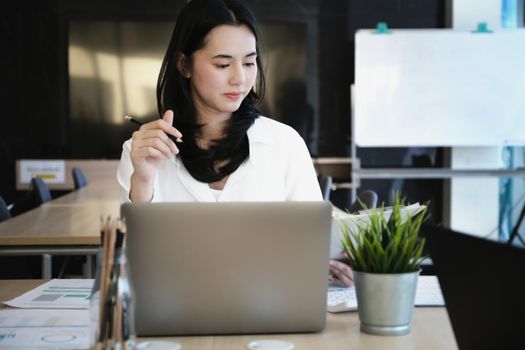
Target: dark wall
31, 89
33, 63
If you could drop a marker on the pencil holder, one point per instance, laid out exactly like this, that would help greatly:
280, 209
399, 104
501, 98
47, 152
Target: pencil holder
112, 305
94, 302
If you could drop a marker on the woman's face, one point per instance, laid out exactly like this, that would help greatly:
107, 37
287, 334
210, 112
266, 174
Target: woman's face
223, 72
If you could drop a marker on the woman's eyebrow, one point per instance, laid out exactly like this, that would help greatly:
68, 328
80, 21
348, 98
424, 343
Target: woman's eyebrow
251, 54
222, 56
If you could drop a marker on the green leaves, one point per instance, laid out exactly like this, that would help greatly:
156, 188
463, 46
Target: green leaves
385, 245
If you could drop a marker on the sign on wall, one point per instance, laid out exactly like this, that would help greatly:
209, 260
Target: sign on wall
51, 171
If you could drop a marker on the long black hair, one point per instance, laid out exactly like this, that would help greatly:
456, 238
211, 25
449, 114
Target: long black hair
194, 23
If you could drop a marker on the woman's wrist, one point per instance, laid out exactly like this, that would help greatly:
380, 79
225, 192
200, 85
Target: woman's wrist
141, 190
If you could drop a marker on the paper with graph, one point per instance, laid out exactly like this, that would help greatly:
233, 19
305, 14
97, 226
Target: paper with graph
56, 294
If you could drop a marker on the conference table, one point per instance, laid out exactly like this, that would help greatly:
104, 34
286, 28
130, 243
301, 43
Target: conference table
103, 192
431, 329
68, 225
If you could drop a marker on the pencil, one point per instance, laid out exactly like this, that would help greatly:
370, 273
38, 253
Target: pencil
139, 123
134, 121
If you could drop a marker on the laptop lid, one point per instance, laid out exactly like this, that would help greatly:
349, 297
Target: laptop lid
482, 283
228, 268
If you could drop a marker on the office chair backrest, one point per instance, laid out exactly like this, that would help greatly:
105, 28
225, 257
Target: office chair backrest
365, 200
41, 192
325, 182
4, 210
79, 178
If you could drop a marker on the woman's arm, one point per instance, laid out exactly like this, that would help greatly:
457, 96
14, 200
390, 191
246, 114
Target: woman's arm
150, 145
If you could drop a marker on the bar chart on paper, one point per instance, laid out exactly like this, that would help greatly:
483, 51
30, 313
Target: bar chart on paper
56, 294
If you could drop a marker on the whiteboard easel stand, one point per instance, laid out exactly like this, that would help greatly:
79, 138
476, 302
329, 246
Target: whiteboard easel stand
358, 173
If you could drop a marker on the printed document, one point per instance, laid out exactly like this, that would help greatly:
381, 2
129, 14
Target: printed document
56, 329
56, 294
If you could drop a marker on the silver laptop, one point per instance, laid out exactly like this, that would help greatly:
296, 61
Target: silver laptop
228, 268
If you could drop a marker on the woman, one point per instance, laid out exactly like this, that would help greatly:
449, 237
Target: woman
209, 84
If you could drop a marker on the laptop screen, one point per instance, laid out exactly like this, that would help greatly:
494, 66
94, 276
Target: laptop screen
229, 268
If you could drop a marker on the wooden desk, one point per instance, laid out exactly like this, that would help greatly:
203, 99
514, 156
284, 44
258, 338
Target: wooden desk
73, 219
104, 192
56, 226
55, 230
69, 225
430, 330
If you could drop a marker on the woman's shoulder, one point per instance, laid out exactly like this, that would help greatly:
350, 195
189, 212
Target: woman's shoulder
271, 129
127, 144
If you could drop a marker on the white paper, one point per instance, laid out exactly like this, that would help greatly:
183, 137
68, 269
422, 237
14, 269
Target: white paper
55, 329
428, 293
51, 171
351, 221
363, 215
56, 294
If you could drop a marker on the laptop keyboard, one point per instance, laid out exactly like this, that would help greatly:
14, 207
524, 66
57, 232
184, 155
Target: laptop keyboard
428, 293
341, 299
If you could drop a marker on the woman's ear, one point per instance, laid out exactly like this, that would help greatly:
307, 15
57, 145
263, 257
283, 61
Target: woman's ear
183, 65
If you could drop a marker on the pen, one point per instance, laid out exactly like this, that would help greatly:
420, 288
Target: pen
139, 123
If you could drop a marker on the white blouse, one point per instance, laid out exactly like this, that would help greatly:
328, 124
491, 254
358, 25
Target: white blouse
279, 168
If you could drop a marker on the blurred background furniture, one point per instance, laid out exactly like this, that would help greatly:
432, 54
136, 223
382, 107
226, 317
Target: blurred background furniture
365, 200
325, 183
4, 210
78, 178
40, 191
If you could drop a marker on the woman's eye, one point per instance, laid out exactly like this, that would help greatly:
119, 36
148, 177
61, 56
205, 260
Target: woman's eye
249, 64
222, 66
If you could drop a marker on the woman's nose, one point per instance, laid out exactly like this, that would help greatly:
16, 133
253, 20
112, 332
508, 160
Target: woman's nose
237, 76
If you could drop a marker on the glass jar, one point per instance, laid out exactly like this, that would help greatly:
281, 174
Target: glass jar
112, 311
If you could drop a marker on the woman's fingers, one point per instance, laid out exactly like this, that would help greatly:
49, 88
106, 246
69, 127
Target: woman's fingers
159, 135
153, 143
168, 117
343, 272
157, 144
150, 152
164, 124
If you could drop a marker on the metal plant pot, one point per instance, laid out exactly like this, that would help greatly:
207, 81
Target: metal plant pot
385, 301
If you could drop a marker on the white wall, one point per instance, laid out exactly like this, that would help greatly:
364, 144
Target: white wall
466, 14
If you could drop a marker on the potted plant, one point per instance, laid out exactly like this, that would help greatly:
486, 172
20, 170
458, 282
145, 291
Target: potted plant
385, 253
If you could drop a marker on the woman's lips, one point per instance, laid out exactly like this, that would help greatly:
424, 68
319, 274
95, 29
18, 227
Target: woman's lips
233, 95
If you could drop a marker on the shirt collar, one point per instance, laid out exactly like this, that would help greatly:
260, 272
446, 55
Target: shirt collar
201, 191
256, 134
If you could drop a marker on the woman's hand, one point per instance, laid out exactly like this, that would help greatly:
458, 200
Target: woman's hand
343, 272
150, 146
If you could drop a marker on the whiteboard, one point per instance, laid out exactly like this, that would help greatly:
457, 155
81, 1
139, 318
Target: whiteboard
439, 87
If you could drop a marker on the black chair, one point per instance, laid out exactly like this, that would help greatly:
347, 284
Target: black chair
365, 200
4, 210
325, 182
37, 195
79, 178
40, 191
